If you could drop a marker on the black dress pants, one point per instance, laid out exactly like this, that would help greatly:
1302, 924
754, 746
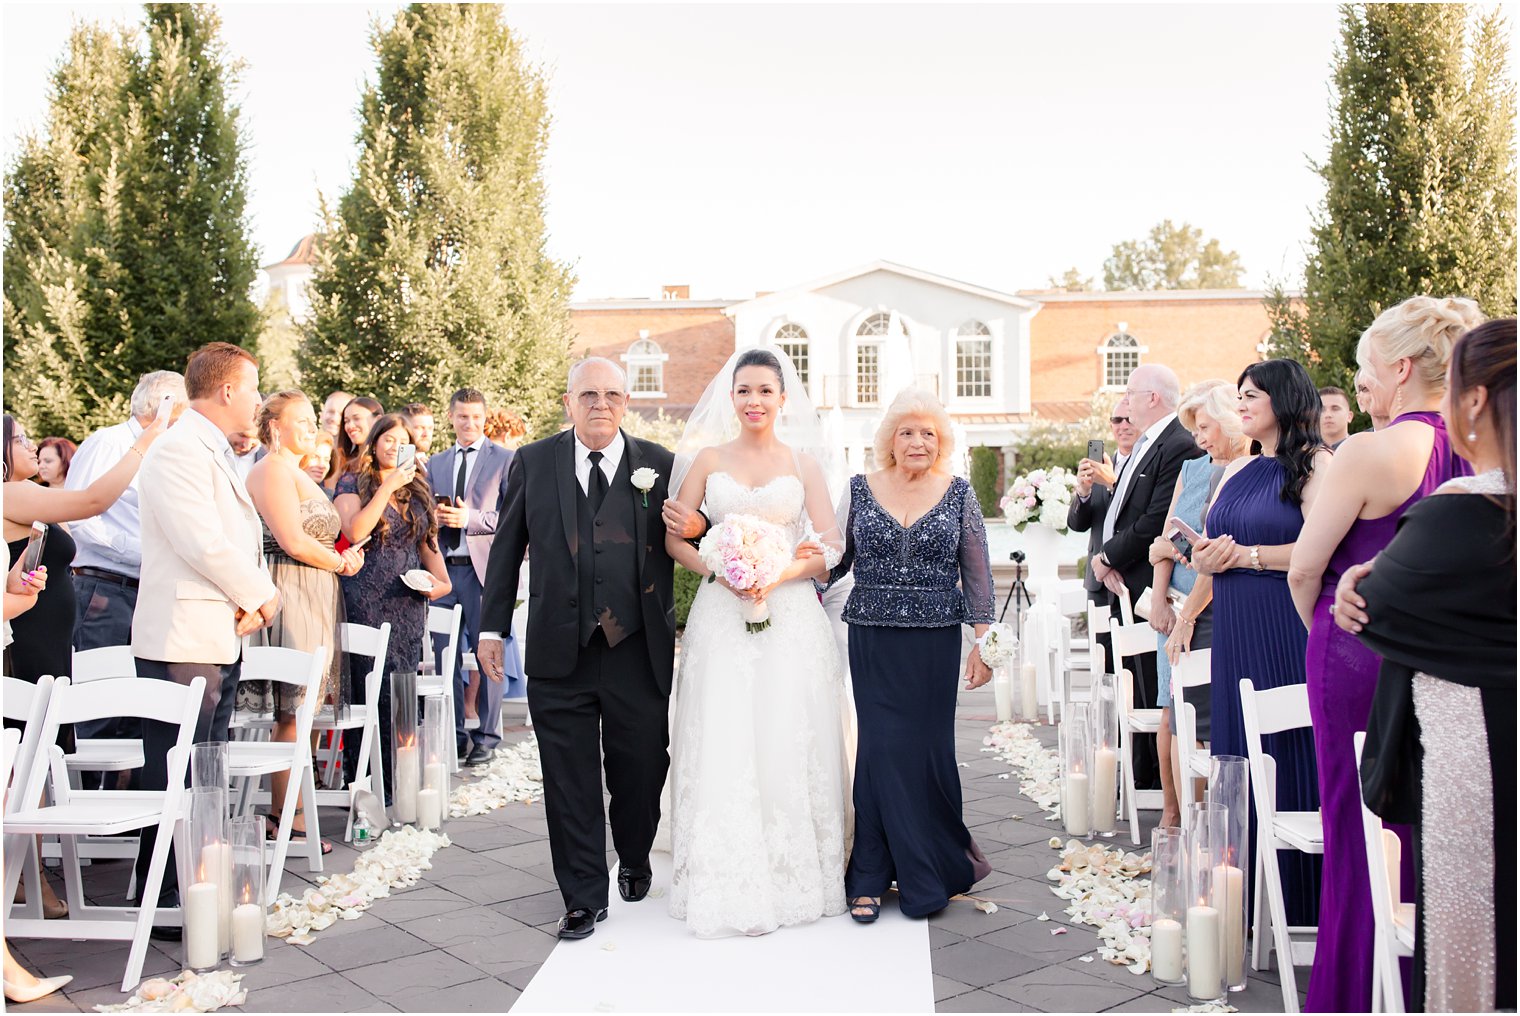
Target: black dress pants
158, 738
607, 716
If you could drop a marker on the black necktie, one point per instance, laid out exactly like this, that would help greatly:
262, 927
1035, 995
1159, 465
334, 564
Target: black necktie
450, 537
596, 483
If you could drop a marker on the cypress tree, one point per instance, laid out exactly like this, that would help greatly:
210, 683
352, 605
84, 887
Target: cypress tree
432, 270
1420, 179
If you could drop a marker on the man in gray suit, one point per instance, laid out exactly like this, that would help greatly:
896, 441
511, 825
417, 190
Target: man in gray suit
1094, 488
468, 479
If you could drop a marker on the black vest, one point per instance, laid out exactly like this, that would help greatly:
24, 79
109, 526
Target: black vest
607, 562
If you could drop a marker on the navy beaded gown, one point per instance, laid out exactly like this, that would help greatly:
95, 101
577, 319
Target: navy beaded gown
1258, 635
915, 586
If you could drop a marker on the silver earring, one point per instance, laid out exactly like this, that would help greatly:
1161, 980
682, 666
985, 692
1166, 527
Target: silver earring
1472, 430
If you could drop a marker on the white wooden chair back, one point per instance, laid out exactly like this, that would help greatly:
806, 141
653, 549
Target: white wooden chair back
364, 640
1126, 609
1098, 619
106, 661
1132, 639
445, 621
11, 745
1192, 671
1392, 939
292, 667
1071, 597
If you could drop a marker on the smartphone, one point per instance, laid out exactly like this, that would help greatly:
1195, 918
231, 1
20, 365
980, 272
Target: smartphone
406, 456
31, 557
444, 499
361, 543
1095, 450
165, 407
1185, 529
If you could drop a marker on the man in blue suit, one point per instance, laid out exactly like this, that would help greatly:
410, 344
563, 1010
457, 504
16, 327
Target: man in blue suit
468, 479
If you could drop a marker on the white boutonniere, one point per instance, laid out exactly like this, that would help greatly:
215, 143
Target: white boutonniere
643, 478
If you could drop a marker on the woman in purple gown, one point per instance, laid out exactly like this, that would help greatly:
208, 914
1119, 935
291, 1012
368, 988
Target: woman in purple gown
1251, 529
1372, 481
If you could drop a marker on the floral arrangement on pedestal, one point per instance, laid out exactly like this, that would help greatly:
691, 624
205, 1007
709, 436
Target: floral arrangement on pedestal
1043, 496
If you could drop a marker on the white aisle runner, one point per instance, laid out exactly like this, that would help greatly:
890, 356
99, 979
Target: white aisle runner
642, 960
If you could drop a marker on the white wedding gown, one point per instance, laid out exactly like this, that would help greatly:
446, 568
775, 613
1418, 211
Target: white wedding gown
758, 786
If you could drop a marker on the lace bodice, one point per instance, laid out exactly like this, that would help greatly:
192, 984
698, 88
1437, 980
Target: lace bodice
1491, 482
933, 573
781, 502
320, 521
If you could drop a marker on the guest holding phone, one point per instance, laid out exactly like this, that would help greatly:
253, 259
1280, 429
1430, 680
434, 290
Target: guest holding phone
356, 419
300, 527
384, 501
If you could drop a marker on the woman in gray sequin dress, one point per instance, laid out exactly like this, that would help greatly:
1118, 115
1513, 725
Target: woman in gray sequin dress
301, 526
918, 548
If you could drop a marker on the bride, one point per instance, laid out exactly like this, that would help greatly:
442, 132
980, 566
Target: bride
758, 780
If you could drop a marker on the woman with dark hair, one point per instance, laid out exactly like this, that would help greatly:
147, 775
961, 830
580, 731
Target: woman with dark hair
1373, 479
394, 509
1251, 528
358, 416
53, 457
1438, 605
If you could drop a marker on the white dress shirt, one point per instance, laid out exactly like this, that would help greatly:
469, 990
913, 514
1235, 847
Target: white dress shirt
112, 540
612, 455
468, 462
1121, 490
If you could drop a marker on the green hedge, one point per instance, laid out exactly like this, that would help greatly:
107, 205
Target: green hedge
686, 585
985, 466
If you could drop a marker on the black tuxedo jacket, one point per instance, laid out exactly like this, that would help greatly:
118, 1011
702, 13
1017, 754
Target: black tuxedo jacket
1142, 515
538, 514
1087, 517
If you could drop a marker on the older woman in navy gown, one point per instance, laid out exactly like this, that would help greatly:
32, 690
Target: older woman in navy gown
916, 542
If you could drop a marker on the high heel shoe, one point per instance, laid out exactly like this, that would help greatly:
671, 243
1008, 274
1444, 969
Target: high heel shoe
873, 910
45, 986
52, 910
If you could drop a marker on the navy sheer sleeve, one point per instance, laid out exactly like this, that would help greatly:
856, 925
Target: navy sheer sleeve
976, 563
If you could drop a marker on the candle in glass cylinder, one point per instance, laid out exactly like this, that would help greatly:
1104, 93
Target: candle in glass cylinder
435, 776
1228, 897
405, 798
429, 808
1027, 702
1166, 950
1002, 694
1105, 783
1205, 971
216, 868
201, 919
1074, 805
248, 933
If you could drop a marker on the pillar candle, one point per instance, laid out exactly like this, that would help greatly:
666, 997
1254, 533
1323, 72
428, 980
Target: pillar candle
429, 808
1105, 786
1029, 706
1074, 805
404, 799
216, 869
1205, 972
435, 776
248, 933
1229, 900
1166, 950
1002, 694
201, 952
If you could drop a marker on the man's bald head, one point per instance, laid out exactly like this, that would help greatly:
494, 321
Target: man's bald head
1153, 392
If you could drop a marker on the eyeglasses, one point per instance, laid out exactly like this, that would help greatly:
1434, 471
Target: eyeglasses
24, 441
1129, 392
1116, 420
592, 398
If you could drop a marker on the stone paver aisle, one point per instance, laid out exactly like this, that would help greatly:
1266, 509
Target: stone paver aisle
473, 932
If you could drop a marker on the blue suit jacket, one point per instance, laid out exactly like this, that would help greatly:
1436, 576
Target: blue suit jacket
483, 496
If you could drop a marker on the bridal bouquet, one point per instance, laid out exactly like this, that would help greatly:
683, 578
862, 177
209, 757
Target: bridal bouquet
1042, 496
750, 554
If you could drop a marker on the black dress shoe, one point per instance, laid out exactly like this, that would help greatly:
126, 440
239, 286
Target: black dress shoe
633, 885
480, 756
580, 922
167, 933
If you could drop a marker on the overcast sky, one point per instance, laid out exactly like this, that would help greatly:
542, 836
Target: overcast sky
738, 148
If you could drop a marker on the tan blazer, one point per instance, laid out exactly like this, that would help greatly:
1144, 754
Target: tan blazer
202, 549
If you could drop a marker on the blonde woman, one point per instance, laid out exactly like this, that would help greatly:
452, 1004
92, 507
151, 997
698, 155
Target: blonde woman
1208, 411
1372, 481
918, 547
300, 528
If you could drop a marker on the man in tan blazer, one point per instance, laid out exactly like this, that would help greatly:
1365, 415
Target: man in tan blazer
204, 584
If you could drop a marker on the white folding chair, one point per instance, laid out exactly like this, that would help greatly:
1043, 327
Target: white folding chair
104, 754
1393, 921
252, 760
1043, 649
1130, 639
1271, 712
1193, 671
26, 703
442, 621
361, 640
76, 813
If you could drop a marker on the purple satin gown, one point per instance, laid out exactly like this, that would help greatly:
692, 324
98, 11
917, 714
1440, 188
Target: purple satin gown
1342, 675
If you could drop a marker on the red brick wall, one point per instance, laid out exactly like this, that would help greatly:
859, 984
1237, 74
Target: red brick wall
697, 339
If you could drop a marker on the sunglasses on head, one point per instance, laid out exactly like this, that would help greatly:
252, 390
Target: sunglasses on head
1118, 419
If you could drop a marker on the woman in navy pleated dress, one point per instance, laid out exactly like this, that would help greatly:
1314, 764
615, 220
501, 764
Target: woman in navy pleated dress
1251, 529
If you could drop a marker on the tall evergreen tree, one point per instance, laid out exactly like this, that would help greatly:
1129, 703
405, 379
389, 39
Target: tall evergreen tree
1420, 179
127, 245
433, 271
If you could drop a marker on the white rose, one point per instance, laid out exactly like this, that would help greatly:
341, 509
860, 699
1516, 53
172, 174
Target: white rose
643, 478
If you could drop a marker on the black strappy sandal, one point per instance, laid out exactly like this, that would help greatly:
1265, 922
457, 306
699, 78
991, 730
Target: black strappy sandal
297, 836
873, 908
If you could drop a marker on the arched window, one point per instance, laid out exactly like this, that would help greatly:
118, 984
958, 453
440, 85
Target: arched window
1121, 355
868, 357
646, 368
792, 339
973, 361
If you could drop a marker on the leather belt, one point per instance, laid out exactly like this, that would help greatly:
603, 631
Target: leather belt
106, 576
